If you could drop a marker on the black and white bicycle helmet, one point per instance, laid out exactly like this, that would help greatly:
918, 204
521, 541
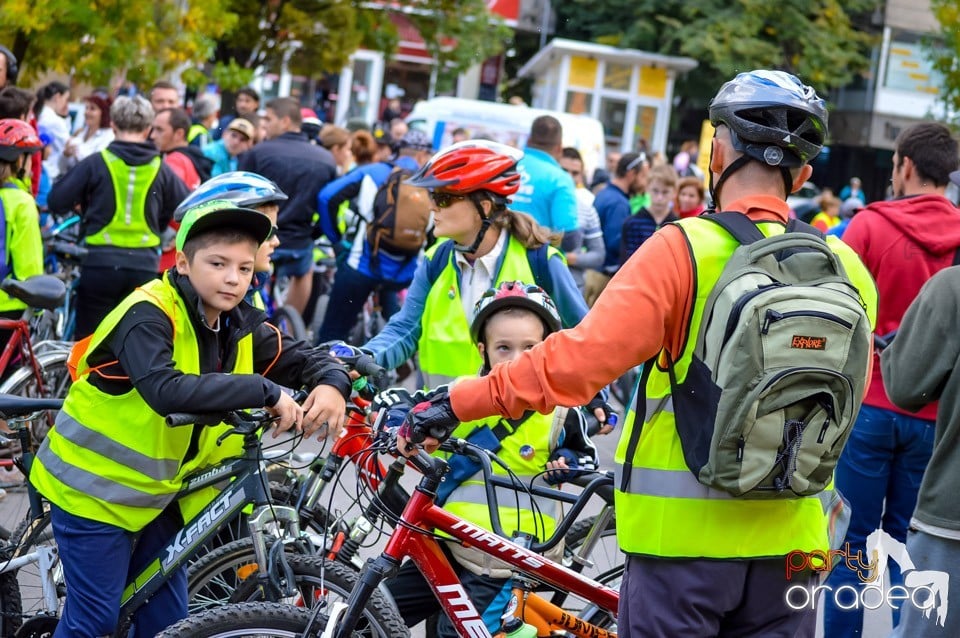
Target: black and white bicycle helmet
243, 188
773, 118
518, 295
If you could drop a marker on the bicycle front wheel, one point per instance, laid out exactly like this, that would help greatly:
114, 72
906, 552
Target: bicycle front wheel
289, 321
11, 613
256, 620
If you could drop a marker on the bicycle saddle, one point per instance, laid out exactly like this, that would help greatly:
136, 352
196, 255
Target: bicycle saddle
42, 291
12, 405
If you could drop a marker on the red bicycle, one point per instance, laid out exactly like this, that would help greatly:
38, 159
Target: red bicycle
414, 537
32, 364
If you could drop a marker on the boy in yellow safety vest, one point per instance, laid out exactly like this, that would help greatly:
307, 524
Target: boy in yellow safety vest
111, 468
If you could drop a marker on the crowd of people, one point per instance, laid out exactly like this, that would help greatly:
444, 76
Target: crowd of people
521, 262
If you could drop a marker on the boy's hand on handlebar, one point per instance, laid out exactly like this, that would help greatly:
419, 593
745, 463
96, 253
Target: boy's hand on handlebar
289, 412
324, 406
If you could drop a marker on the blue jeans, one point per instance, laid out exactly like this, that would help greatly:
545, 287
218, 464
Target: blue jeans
98, 560
879, 473
350, 291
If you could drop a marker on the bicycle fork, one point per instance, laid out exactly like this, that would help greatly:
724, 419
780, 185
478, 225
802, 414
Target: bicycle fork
275, 576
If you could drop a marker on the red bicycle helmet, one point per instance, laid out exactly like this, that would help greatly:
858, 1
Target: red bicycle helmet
472, 166
17, 138
514, 294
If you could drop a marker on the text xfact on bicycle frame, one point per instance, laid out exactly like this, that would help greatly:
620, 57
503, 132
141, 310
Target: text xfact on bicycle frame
213, 515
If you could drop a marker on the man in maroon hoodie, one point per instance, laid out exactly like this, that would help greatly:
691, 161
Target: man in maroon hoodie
903, 242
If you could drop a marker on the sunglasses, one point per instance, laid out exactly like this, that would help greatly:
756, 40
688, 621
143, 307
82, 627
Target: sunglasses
273, 232
445, 200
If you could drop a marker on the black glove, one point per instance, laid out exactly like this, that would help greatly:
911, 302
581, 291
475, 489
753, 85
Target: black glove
392, 398
599, 401
432, 418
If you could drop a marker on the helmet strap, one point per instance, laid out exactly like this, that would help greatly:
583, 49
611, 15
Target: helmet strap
736, 165
485, 223
787, 181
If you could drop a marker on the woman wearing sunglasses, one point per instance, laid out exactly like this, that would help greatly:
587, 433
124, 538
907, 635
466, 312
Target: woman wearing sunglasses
470, 184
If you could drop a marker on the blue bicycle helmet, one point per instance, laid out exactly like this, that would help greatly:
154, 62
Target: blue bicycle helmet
242, 188
773, 118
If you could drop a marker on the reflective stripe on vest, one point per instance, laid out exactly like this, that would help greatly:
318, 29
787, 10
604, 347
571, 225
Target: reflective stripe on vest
532, 437
446, 350
112, 458
663, 510
131, 184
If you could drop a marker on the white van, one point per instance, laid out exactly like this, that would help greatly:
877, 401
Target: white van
505, 123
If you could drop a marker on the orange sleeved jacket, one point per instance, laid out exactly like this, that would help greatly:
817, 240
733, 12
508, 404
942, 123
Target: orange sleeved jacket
644, 308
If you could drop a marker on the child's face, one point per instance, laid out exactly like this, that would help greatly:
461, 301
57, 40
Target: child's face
267, 247
508, 335
688, 198
221, 274
661, 196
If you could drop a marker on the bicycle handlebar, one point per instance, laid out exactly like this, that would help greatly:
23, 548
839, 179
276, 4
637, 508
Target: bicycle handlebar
243, 421
434, 468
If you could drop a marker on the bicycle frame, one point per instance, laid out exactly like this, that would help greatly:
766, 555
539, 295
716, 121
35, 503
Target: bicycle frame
246, 488
20, 342
413, 538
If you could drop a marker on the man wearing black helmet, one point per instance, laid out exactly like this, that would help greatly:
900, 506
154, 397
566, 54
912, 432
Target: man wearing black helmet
700, 562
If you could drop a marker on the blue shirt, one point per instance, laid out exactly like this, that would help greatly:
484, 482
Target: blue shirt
222, 162
547, 193
613, 208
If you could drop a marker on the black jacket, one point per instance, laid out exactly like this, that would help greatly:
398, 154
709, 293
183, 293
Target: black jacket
89, 186
142, 347
300, 169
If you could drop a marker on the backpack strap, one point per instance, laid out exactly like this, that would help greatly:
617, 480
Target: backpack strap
506, 427
738, 225
797, 226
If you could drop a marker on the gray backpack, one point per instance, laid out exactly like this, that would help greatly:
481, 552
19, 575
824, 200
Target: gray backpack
786, 342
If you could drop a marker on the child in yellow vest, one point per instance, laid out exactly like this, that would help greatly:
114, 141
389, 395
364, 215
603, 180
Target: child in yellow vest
185, 343
507, 321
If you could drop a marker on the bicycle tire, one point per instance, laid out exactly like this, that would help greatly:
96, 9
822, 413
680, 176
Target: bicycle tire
313, 576
212, 579
11, 612
26, 537
289, 321
263, 620
380, 617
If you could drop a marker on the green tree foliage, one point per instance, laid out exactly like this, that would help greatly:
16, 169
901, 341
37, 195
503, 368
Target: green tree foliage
815, 39
97, 41
321, 35
100, 40
943, 51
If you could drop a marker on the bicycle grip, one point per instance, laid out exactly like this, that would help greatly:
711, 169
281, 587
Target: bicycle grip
178, 419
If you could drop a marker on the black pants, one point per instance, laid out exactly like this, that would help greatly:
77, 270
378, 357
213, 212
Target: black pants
692, 598
100, 289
